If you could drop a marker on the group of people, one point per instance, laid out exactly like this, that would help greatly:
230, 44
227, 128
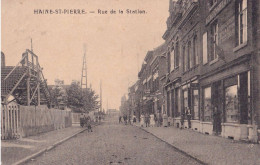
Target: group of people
152, 120
127, 119
85, 120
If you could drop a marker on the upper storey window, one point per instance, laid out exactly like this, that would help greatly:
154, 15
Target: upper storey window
241, 22
214, 41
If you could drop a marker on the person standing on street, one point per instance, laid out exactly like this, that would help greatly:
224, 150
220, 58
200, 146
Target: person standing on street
88, 119
81, 120
120, 118
99, 119
188, 113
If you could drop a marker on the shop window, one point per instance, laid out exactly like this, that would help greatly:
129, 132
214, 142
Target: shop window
177, 98
168, 103
172, 103
231, 104
185, 100
172, 59
241, 21
195, 104
207, 104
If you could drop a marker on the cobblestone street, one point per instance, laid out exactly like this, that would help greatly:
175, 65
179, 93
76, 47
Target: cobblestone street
111, 143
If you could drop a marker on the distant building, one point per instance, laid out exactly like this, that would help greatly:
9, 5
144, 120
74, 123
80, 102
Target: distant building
112, 112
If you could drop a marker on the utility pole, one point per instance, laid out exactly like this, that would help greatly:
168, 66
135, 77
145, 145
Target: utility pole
84, 70
101, 95
107, 105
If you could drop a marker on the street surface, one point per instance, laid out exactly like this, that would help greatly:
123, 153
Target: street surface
113, 143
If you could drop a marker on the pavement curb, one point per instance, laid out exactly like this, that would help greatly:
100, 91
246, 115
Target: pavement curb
176, 148
26, 159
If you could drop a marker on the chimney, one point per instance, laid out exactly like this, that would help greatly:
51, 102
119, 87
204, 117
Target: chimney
2, 59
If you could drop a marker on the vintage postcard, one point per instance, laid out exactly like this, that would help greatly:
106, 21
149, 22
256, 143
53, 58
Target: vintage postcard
130, 82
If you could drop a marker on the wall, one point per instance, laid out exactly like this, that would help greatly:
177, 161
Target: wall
35, 120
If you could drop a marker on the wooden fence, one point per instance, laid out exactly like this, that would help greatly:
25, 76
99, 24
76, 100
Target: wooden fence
10, 115
21, 121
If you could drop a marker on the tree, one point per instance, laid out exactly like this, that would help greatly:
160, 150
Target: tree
81, 100
58, 96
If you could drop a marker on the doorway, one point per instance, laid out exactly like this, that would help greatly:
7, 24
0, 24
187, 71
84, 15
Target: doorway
217, 108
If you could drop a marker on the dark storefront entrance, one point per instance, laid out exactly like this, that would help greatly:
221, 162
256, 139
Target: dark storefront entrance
217, 107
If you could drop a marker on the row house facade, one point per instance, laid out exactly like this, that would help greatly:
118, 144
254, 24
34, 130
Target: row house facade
212, 51
205, 76
148, 91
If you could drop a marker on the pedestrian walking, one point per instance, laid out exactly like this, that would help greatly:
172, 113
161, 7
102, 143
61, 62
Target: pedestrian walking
129, 119
88, 120
156, 120
120, 118
182, 120
147, 120
134, 119
160, 119
99, 119
125, 119
142, 120
188, 113
81, 120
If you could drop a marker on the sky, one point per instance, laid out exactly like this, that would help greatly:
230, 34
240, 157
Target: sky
116, 44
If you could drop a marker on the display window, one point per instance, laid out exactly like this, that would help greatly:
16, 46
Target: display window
207, 104
196, 104
231, 104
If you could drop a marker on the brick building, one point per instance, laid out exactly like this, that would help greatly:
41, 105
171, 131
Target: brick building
213, 73
206, 73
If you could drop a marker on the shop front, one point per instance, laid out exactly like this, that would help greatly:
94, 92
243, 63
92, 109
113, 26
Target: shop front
174, 102
226, 101
190, 102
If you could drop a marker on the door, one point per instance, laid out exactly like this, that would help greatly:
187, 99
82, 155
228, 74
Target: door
217, 107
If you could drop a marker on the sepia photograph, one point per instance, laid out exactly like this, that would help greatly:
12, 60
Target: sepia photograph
130, 82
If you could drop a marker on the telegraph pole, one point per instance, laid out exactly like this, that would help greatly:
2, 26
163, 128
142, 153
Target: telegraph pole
101, 95
84, 70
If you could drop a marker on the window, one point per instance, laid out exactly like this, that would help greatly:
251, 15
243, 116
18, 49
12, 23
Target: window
241, 21
196, 103
231, 104
184, 58
172, 59
187, 56
207, 104
177, 54
189, 61
195, 51
205, 48
214, 41
169, 62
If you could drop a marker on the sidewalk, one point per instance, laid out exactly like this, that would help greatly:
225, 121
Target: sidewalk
207, 148
14, 151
